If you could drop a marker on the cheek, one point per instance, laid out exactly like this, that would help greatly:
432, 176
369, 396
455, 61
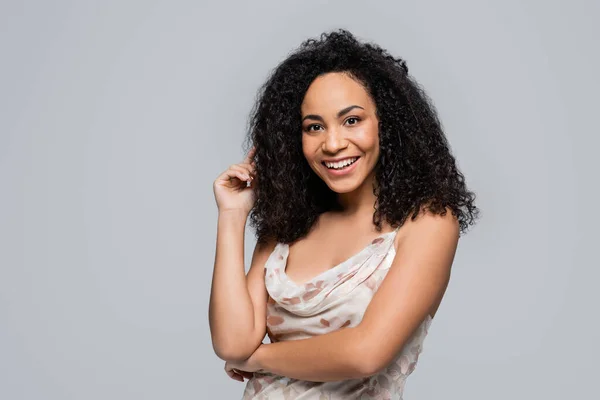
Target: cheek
374, 137
308, 148
368, 140
375, 143
305, 150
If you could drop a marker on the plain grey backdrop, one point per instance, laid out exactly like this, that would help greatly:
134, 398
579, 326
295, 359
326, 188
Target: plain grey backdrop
117, 116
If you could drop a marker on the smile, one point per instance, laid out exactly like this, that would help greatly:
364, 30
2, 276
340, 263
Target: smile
341, 167
340, 164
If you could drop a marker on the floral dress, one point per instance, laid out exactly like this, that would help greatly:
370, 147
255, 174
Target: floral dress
335, 299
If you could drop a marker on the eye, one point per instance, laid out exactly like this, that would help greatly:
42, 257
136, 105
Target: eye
356, 119
309, 127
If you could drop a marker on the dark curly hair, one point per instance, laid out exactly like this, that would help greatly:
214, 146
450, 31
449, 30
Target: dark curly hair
415, 170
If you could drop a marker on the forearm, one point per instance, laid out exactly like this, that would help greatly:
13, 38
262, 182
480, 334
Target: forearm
333, 356
231, 313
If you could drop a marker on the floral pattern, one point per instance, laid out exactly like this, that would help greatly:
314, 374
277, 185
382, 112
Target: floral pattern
333, 300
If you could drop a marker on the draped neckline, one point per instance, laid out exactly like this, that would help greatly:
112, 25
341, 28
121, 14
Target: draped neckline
336, 267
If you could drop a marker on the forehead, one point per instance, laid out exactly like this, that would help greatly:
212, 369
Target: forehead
332, 92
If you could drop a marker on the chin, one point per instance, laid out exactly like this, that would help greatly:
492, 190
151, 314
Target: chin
343, 187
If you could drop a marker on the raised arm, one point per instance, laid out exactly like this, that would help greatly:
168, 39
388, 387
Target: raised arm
237, 309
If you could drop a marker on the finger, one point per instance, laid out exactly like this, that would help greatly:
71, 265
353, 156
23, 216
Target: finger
243, 169
231, 175
235, 376
245, 374
249, 175
250, 167
247, 178
247, 172
250, 155
238, 377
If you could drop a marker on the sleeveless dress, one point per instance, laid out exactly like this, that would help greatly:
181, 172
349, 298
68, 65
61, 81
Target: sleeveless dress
332, 300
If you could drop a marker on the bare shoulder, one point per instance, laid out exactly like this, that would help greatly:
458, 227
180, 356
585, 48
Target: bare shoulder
412, 290
262, 250
426, 227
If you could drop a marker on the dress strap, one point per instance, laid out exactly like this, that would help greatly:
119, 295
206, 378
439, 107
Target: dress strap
275, 258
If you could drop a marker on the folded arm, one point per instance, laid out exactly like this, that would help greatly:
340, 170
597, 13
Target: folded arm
412, 287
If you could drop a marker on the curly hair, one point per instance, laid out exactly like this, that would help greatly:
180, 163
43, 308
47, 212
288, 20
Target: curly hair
415, 170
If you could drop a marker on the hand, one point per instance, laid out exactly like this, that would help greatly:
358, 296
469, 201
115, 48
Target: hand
238, 375
242, 369
230, 188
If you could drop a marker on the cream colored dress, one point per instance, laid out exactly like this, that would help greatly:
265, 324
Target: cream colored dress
335, 299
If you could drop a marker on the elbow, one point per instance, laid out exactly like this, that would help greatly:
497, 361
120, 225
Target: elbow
233, 352
236, 346
368, 361
232, 356
366, 366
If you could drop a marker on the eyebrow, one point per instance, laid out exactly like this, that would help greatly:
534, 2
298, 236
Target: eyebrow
339, 114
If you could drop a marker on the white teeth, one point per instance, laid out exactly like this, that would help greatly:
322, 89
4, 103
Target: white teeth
341, 164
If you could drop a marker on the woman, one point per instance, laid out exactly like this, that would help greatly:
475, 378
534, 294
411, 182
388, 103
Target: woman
358, 206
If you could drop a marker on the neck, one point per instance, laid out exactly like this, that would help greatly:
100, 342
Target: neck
359, 201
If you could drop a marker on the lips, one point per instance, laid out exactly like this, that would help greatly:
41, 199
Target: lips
346, 170
329, 163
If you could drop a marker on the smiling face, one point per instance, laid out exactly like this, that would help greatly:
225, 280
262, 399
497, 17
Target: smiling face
340, 132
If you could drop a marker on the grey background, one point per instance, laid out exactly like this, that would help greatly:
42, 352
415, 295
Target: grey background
116, 117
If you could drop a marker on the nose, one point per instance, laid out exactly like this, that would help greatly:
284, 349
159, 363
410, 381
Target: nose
334, 141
